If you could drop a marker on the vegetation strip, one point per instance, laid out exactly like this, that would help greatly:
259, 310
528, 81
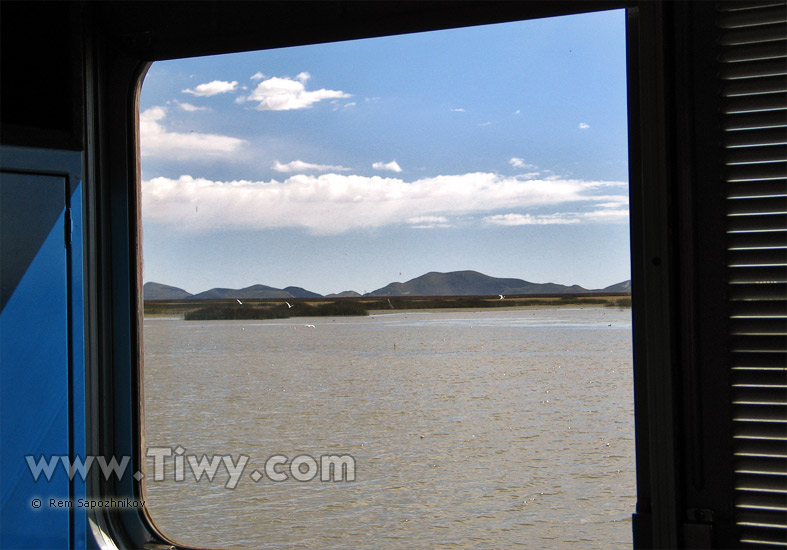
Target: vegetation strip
193, 310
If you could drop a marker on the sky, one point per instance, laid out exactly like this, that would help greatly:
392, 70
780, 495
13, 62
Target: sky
350, 165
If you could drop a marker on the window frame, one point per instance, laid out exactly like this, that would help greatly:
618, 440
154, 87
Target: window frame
118, 57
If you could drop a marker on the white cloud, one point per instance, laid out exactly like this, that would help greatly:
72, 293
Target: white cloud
300, 166
615, 201
457, 110
607, 215
485, 124
335, 203
212, 88
518, 112
287, 94
604, 215
428, 222
156, 141
392, 166
520, 163
528, 219
583, 126
189, 107
257, 76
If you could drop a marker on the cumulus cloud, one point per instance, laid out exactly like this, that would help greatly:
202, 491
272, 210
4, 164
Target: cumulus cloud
257, 76
300, 166
189, 107
287, 94
335, 203
156, 141
520, 163
392, 166
583, 126
212, 88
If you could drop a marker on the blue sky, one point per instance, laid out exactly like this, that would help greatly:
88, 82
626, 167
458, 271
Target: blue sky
347, 166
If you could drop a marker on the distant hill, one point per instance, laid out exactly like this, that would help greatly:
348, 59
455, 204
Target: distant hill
253, 292
625, 286
345, 294
455, 283
157, 291
469, 283
298, 292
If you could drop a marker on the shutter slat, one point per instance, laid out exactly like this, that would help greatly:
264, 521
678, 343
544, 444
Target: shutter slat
763, 483
759, 308
761, 466
751, 52
771, 395
755, 103
752, 121
753, 69
754, 361
764, 33
762, 501
765, 153
757, 205
753, 275
751, 327
755, 138
772, 432
758, 257
757, 224
738, 5
760, 379
753, 17
765, 85
760, 343
754, 189
757, 172
766, 536
761, 413
773, 239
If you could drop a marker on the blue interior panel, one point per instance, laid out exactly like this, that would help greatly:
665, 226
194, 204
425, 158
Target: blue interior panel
34, 363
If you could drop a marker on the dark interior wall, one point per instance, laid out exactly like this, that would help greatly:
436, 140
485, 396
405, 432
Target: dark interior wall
162, 30
40, 75
41, 79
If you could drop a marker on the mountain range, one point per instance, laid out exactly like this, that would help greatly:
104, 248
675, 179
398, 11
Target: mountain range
454, 283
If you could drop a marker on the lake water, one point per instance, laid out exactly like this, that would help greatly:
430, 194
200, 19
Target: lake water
469, 428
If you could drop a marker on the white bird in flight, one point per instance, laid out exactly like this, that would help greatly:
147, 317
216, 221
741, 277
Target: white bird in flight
310, 326
241, 303
288, 305
501, 296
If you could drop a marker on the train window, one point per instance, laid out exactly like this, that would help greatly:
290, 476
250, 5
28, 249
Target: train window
386, 291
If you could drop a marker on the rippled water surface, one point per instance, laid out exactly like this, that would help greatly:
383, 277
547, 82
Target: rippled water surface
470, 429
